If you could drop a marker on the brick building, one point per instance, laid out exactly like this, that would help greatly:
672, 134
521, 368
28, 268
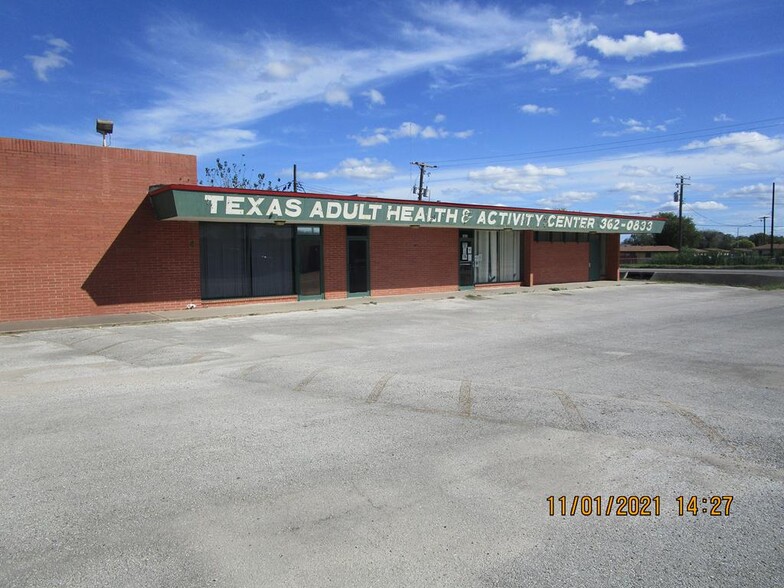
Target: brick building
83, 233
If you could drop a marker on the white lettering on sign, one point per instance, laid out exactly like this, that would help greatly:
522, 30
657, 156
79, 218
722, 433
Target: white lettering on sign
254, 206
350, 211
293, 208
374, 208
333, 209
233, 204
274, 208
213, 199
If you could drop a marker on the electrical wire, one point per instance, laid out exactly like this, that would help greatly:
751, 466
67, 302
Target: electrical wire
612, 145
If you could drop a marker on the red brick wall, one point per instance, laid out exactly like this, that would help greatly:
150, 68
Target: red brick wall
405, 260
334, 261
79, 237
555, 263
612, 257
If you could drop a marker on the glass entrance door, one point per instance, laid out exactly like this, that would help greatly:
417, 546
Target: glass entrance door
465, 276
595, 265
358, 275
309, 282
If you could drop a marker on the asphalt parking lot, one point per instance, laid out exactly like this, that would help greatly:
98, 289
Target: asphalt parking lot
403, 444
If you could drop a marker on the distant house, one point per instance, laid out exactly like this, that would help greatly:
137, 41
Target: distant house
643, 253
778, 250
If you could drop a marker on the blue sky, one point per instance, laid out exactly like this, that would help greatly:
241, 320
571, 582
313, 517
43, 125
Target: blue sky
592, 106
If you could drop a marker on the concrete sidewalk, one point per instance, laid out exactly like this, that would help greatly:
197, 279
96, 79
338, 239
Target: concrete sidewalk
261, 308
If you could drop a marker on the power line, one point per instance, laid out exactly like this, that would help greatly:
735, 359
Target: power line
610, 145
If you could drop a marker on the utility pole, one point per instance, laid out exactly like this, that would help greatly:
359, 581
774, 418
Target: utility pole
678, 197
295, 177
772, 213
764, 220
421, 191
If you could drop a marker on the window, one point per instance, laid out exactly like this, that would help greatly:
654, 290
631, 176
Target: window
357, 231
241, 260
497, 256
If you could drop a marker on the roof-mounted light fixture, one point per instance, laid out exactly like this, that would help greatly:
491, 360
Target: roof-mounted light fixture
104, 128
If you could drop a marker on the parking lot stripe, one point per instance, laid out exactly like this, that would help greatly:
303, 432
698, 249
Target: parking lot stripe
301, 386
466, 401
378, 388
701, 425
571, 410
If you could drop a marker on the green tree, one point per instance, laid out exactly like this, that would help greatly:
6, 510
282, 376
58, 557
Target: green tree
715, 240
669, 235
640, 240
237, 175
743, 244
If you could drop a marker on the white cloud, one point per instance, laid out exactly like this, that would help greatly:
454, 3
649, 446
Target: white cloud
365, 169
632, 125
631, 82
536, 109
51, 59
5, 75
760, 192
527, 178
289, 66
632, 46
375, 97
744, 141
566, 199
557, 46
314, 175
646, 171
371, 140
646, 199
638, 188
408, 130
707, 205
439, 118
368, 168
213, 140
205, 81
336, 95
432, 133
722, 118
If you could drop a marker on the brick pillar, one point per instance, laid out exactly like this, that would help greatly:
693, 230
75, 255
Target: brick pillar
612, 257
528, 251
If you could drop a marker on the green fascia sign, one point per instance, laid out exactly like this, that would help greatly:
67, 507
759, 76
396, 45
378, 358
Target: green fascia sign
269, 208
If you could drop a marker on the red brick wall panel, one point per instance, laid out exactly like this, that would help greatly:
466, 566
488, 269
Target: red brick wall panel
79, 237
406, 261
555, 263
335, 262
612, 257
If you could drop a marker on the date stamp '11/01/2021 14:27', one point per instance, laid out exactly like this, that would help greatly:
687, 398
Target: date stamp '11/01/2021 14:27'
637, 506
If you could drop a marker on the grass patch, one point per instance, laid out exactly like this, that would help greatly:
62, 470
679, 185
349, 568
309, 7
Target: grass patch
475, 297
636, 266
